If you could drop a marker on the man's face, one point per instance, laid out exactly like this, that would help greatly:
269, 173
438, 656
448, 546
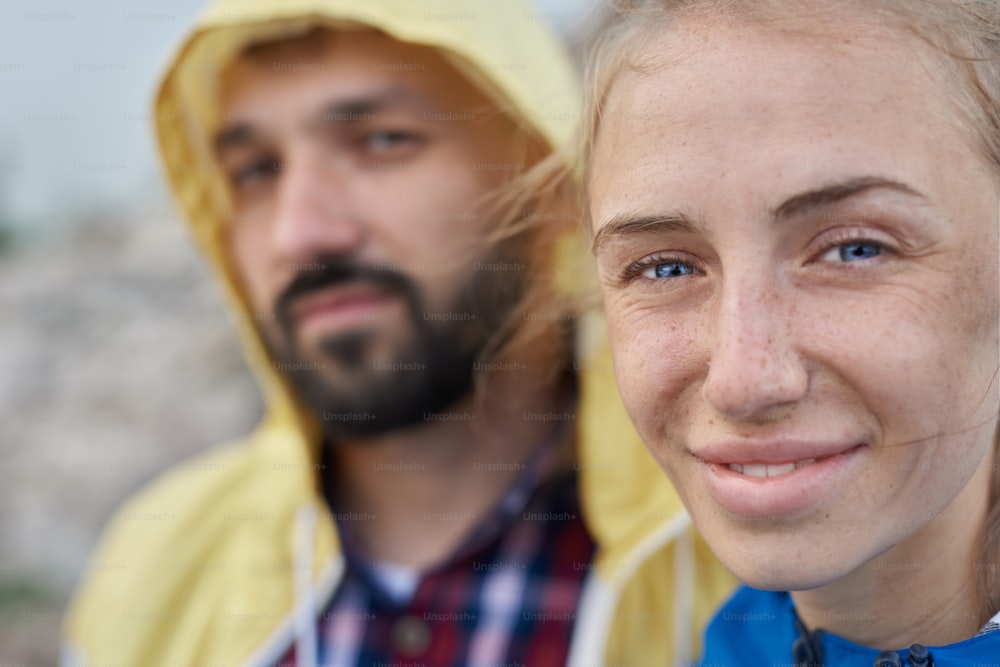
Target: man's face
362, 173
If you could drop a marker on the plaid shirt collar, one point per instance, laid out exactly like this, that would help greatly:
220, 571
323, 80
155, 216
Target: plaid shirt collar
544, 463
507, 595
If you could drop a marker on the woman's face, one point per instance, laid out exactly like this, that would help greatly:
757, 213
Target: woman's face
797, 244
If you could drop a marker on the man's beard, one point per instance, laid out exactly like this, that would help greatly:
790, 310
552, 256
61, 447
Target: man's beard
429, 370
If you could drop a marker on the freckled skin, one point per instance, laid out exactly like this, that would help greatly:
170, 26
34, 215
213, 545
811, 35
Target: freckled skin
775, 336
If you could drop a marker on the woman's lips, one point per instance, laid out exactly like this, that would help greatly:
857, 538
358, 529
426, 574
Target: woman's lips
780, 484
771, 451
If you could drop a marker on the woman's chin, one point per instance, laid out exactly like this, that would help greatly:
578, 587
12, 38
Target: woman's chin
783, 580
776, 573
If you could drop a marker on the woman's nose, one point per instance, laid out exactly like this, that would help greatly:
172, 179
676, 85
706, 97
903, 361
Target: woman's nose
754, 363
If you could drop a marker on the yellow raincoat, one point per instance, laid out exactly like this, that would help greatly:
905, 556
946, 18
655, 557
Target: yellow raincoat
228, 560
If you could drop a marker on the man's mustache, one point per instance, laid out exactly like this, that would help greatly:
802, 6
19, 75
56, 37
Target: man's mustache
328, 271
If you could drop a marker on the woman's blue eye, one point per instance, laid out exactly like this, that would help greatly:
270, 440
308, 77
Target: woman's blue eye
668, 270
850, 252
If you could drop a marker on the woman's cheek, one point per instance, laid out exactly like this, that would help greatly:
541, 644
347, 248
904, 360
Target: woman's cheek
654, 352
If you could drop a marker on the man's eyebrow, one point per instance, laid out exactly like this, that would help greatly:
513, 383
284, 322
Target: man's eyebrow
353, 109
838, 192
626, 224
365, 107
234, 136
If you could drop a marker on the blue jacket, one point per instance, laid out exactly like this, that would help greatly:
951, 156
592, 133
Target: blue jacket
759, 628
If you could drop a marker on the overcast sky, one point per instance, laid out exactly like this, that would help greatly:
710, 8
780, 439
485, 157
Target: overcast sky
76, 82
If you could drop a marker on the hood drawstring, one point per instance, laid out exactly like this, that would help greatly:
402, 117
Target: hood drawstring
807, 650
684, 580
305, 595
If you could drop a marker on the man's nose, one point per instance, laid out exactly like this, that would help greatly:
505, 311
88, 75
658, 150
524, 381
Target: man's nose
755, 368
315, 213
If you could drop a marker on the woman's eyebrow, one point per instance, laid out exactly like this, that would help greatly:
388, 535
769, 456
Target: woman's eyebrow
838, 192
627, 224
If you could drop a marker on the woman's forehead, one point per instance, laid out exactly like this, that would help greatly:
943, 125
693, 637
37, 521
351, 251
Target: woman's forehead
753, 101
752, 66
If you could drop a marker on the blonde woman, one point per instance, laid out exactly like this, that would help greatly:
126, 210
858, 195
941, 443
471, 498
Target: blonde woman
795, 218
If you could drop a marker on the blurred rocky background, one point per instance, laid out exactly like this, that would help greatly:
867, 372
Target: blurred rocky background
116, 360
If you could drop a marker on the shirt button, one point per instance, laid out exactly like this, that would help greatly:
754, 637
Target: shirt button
410, 635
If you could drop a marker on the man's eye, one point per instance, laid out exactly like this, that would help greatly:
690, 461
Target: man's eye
385, 141
255, 172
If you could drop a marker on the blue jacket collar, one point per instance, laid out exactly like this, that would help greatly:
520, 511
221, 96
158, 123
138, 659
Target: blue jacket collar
760, 627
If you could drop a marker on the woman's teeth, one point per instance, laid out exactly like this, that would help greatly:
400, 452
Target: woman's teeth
764, 470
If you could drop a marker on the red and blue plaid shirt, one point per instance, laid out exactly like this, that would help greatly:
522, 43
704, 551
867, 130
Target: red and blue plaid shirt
508, 596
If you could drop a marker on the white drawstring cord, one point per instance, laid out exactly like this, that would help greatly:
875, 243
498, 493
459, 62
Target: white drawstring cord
305, 596
684, 578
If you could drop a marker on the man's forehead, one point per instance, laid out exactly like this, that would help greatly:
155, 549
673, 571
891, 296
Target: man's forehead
360, 68
372, 54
